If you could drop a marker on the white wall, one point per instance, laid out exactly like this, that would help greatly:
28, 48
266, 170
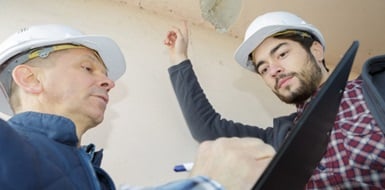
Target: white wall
144, 133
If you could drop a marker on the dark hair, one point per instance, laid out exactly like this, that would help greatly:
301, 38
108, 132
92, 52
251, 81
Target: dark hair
305, 39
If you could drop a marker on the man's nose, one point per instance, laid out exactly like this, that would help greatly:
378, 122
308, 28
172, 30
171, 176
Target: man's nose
107, 83
275, 69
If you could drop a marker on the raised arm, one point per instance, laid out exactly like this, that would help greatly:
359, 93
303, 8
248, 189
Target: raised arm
202, 119
177, 42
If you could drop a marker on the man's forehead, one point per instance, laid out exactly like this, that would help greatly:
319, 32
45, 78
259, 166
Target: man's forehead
89, 54
268, 45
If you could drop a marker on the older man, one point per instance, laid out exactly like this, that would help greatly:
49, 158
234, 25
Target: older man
55, 81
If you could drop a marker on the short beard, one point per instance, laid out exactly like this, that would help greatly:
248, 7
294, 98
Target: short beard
309, 78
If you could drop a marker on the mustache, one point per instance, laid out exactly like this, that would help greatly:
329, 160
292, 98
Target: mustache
281, 76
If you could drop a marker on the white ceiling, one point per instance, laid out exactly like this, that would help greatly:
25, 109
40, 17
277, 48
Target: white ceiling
340, 21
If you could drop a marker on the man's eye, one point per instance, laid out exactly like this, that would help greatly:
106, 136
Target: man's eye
282, 55
87, 68
262, 70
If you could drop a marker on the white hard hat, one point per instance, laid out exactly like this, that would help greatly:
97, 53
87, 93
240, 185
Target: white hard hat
52, 34
266, 25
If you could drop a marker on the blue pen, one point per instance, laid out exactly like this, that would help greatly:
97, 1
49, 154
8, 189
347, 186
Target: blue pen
183, 167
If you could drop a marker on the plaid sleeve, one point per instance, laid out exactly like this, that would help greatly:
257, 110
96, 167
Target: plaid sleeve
193, 183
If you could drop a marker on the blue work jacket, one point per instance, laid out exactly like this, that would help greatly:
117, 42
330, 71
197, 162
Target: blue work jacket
39, 151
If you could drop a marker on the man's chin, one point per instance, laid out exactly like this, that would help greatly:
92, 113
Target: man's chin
97, 116
288, 98
97, 120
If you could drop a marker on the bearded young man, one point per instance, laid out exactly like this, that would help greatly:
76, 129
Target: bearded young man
288, 54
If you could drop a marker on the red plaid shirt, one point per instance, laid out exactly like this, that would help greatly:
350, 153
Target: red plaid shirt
355, 157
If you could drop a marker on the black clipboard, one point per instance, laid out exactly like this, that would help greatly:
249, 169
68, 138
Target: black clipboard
304, 147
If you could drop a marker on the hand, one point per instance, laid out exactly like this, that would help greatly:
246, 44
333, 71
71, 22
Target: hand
236, 163
177, 42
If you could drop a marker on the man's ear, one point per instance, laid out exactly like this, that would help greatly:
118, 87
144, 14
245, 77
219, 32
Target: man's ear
318, 51
26, 78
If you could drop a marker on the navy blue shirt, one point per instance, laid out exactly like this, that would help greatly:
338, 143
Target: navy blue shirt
40, 152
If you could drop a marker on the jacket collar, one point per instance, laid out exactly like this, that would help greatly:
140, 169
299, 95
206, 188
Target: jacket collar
55, 127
